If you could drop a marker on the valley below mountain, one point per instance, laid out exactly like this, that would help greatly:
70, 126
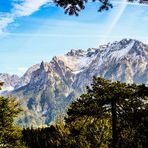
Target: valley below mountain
46, 89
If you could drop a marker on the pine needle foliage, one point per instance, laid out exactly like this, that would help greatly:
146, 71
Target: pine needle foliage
89, 119
10, 134
131, 111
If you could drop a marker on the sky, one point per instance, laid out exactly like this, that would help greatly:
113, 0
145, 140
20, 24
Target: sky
32, 31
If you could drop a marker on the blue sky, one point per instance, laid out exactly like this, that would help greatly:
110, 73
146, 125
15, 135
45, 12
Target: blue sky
36, 30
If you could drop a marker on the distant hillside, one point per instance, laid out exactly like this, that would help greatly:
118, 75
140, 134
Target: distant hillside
49, 87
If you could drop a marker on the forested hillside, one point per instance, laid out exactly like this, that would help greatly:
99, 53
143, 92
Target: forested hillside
110, 114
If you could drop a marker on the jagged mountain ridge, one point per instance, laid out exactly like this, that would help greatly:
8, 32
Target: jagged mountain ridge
10, 81
25, 79
52, 86
125, 61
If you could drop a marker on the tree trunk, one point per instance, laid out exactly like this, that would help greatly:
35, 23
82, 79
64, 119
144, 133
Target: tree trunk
114, 121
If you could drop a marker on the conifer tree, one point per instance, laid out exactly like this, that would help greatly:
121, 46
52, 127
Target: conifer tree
89, 120
73, 7
124, 105
10, 135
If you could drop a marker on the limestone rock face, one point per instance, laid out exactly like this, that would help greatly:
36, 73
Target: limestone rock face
25, 79
46, 89
10, 81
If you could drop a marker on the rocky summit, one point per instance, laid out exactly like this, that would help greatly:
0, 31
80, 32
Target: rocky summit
48, 88
10, 82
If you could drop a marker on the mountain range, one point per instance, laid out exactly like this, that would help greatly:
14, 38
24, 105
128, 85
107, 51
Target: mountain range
46, 89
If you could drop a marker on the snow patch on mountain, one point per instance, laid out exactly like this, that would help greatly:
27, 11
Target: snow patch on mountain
6, 89
123, 51
50, 87
78, 62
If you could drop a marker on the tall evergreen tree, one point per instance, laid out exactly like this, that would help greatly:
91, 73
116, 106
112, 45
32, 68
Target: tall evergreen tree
124, 105
89, 120
10, 135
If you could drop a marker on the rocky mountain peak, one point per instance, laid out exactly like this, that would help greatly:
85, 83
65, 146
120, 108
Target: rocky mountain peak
50, 87
74, 52
139, 49
44, 66
25, 79
125, 48
10, 81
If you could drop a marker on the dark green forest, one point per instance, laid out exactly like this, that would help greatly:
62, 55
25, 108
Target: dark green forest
108, 115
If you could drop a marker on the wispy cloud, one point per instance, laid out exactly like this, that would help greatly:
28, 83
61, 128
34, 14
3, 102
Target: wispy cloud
22, 69
19, 71
20, 8
27, 7
5, 19
56, 35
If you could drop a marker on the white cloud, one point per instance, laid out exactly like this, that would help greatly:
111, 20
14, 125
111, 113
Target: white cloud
27, 7
4, 21
21, 70
20, 8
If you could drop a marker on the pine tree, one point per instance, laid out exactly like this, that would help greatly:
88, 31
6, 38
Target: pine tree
124, 105
110, 114
73, 7
10, 135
